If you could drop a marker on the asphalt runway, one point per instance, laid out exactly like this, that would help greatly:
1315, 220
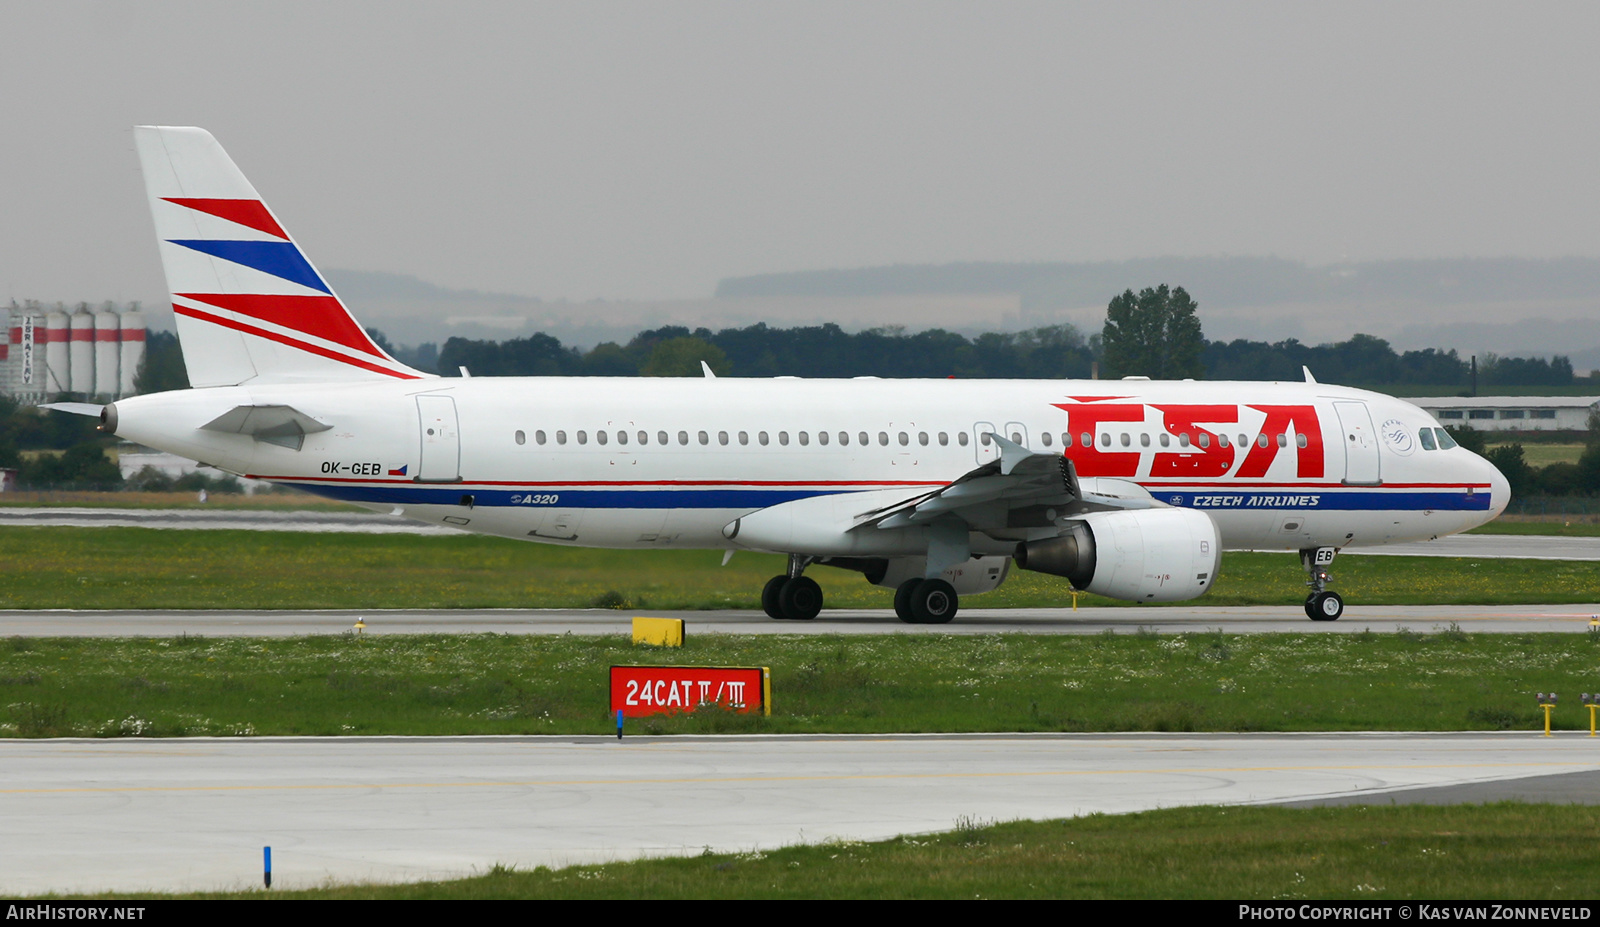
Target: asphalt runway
1173, 619
1534, 547
131, 815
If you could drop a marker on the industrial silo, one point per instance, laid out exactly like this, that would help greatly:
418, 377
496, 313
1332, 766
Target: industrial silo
57, 336
107, 333
132, 346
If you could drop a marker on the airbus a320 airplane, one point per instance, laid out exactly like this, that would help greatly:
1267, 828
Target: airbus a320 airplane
934, 488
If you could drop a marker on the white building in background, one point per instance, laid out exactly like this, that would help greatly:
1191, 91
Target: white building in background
47, 352
1512, 413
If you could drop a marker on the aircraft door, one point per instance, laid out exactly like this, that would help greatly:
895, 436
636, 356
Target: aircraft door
1360, 443
441, 440
985, 449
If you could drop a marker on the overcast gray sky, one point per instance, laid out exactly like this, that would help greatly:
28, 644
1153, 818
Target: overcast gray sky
645, 150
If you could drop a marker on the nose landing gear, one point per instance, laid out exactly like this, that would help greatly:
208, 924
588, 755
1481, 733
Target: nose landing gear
792, 596
1321, 605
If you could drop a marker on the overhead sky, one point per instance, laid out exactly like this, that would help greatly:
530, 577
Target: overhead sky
646, 150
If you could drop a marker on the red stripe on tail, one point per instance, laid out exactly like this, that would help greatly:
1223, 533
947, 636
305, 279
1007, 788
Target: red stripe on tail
291, 342
321, 316
248, 213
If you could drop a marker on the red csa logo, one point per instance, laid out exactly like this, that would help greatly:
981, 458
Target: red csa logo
1204, 457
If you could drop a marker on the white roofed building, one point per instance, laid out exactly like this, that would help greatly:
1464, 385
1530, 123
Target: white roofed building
1512, 413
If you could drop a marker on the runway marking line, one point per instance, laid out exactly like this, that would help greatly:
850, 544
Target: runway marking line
559, 783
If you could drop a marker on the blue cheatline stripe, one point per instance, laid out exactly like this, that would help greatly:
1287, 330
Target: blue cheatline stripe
278, 258
1343, 501
450, 494
545, 497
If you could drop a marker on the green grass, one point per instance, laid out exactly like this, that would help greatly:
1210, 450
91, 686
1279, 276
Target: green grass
1507, 851
538, 684
1573, 527
1543, 455
92, 568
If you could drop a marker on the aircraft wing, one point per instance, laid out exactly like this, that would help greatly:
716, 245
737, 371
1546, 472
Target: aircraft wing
1020, 489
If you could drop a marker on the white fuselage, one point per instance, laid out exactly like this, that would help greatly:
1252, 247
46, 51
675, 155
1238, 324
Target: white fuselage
642, 463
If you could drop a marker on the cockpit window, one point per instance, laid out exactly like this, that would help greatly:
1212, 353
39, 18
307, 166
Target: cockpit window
1445, 441
1426, 437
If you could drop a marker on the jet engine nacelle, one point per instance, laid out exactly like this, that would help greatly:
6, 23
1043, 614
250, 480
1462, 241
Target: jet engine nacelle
1149, 555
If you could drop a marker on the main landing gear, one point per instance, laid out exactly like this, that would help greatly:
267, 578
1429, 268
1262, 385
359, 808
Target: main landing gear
792, 596
1321, 605
925, 601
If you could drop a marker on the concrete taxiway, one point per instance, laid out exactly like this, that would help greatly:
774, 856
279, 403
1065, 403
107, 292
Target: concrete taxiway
80, 815
1174, 619
1532, 547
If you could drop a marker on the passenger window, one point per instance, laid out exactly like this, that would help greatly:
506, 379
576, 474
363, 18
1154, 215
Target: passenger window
805, 439
600, 437
961, 438
844, 439
883, 438
722, 438
539, 436
904, 439
1283, 440
1127, 440
944, 439
661, 438
1144, 440
583, 437
863, 439
561, 437
704, 438
1222, 440
683, 437
1105, 439
1204, 439
822, 438
922, 438
644, 437
783, 438
744, 438
762, 437
1045, 437
1183, 439
1244, 441
1426, 437
622, 437
1086, 440
1261, 440
1016, 437
1166, 439
522, 438
1299, 440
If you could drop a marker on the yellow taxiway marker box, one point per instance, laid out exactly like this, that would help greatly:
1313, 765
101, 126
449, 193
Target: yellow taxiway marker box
659, 632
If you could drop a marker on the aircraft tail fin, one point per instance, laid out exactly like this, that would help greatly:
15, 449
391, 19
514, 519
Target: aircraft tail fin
249, 306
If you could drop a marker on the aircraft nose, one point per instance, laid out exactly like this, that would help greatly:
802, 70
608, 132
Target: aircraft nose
1499, 490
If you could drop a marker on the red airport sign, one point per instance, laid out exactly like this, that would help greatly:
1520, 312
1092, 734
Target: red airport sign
656, 690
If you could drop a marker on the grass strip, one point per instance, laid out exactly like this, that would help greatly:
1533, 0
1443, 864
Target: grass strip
1526, 852
93, 568
536, 684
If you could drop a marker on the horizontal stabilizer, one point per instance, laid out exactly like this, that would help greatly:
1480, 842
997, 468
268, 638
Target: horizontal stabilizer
285, 426
76, 408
